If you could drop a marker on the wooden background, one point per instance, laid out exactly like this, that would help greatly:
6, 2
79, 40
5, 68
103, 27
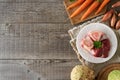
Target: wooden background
34, 38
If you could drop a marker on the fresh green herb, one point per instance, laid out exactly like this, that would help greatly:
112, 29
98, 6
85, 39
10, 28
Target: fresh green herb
72, 0
97, 44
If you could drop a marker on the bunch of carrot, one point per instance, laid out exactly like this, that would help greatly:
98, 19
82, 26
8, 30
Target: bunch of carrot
83, 4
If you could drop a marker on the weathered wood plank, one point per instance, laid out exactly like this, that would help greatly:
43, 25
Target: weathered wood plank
37, 31
28, 1
32, 12
46, 69
43, 69
56, 70
35, 41
17, 72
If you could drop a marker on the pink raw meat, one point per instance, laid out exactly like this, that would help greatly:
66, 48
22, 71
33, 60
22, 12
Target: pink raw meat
103, 37
103, 51
87, 43
96, 35
97, 52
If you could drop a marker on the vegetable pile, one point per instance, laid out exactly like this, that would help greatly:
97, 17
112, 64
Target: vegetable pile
90, 5
113, 16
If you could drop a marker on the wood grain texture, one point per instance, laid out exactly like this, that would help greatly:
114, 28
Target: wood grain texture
35, 41
55, 70
29, 1
32, 12
33, 33
17, 72
35, 30
37, 69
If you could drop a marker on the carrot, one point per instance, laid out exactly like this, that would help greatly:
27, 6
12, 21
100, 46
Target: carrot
94, 5
116, 4
81, 8
104, 3
78, 2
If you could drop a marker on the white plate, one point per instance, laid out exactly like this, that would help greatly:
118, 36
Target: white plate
101, 27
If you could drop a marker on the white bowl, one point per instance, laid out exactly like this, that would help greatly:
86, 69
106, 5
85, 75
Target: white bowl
101, 27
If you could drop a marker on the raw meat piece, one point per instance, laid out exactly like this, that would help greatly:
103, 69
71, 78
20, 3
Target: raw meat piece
106, 45
104, 55
97, 52
103, 37
96, 35
87, 43
103, 51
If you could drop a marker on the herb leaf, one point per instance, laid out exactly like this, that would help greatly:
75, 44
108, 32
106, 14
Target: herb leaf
72, 0
97, 44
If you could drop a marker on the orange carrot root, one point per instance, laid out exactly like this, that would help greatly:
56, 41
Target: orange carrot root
77, 3
94, 5
81, 8
104, 3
